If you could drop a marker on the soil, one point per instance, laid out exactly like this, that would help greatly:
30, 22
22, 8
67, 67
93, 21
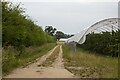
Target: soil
33, 70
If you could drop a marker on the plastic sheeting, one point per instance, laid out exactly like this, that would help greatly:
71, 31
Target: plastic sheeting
101, 26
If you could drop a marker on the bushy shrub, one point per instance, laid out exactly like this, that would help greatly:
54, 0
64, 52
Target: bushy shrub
106, 43
20, 31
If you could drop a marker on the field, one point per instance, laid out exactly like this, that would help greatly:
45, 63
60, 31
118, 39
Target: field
84, 64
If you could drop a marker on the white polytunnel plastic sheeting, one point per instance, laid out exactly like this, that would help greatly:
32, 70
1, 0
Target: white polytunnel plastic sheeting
101, 26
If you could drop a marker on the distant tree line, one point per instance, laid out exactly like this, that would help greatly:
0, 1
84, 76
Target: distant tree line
20, 31
58, 34
106, 43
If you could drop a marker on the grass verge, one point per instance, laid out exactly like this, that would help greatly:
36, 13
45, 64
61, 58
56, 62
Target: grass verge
51, 58
89, 65
10, 60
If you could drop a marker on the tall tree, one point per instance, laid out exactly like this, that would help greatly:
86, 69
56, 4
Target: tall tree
50, 30
59, 34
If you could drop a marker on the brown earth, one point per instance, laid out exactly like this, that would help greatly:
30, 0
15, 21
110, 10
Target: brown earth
57, 69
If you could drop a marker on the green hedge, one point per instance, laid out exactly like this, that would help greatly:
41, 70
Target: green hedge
105, 43
19, 30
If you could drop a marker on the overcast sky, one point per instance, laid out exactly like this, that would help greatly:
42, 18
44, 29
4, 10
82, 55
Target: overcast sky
70, 17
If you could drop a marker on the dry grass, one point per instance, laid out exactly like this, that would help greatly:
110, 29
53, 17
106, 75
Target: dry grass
10, 61
60, 42
51, 59
89, 65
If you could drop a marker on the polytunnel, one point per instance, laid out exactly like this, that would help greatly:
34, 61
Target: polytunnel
106, 25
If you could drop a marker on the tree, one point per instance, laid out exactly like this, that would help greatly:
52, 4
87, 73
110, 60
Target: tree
50, 30
18, 30
59, 34
105, 43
